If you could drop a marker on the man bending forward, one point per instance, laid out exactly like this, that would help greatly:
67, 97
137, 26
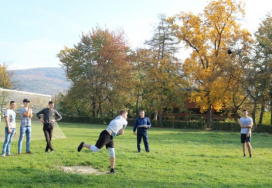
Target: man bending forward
115, 128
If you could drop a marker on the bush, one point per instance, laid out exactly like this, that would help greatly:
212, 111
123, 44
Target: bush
219, 126
226, 126
264, 129
91, 120
154, 123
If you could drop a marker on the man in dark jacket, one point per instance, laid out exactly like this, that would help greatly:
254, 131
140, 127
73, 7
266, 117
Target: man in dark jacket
142, 123
48, 120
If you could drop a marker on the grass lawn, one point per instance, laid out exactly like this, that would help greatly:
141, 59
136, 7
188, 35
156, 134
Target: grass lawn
178, 158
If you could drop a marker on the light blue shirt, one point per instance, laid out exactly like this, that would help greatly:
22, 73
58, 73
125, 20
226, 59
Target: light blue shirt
245, 121
25, 121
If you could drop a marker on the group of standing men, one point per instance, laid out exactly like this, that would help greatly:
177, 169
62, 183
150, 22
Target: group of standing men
26, 114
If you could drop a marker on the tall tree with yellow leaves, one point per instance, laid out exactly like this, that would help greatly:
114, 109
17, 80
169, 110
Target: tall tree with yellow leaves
209, 35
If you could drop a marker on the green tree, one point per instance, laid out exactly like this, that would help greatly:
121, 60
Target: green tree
159, 76
264, 63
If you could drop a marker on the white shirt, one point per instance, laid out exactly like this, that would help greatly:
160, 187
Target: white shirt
116, 125
11, 118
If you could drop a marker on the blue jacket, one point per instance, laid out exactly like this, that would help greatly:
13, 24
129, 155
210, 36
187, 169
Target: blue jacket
140, 122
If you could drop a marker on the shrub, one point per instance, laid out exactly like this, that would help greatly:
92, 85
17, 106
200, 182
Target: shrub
223, 126
264, 128
226, 126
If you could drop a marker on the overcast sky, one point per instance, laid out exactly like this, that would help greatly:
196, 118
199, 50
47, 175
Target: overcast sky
32, 32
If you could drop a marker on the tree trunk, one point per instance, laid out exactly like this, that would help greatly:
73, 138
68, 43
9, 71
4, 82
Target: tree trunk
271, 108
156, 115
100, 111
236, 114
209, 117
262, 112
137, 104
160, 118
254, 115
93, 106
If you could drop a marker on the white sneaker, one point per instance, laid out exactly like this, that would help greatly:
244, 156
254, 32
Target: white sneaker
3, 155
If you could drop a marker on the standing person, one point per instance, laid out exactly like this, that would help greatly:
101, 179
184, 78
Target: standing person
246, 124
115, 128
142, 123
48, 120
10, 128
26, 115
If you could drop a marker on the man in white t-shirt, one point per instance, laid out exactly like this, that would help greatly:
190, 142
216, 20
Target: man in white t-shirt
10, 128
246, 124
115, 128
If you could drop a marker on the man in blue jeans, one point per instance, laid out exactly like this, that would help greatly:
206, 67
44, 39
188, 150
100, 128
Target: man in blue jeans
142, 123
10, 128
26, 115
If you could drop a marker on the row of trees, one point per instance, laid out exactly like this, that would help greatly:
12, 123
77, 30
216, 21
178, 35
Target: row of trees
108, 75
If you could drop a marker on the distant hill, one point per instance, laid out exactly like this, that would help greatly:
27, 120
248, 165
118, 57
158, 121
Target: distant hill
49, 81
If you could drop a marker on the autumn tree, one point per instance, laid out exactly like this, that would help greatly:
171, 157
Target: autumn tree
208, 36
5, 83
99, 69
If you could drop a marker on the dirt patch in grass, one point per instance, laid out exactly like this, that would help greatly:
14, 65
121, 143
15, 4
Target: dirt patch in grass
81, 170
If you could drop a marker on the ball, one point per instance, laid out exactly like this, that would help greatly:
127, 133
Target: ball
229, 51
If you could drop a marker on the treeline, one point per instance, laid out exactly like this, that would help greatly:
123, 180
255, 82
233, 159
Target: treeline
227, 67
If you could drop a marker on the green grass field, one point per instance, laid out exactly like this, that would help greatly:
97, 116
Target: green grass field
178, 158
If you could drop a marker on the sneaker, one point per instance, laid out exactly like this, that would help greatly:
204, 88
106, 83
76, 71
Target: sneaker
244, 156
9, 154
3, 155
250, 156
19, 153
52, 151
28, 152
79, 148
112, 171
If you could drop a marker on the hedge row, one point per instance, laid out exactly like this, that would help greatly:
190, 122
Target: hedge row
165, 123
264, 129
236, 128
219, 126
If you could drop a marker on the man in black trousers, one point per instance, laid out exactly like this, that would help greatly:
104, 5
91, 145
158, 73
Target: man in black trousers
48, 120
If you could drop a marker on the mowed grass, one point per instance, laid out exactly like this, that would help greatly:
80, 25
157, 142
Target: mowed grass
178, 158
